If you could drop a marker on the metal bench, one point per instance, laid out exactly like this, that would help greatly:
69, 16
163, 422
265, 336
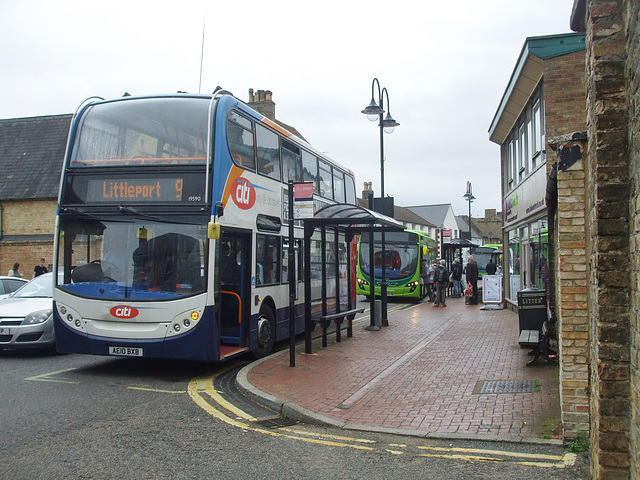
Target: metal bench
325, 320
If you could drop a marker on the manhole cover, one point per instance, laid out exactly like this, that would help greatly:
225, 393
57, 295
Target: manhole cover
277, 422
509, 386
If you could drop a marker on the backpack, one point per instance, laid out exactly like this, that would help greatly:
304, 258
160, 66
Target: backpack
442, 276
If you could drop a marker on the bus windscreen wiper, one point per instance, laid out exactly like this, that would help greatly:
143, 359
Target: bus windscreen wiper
77, 211
133, 211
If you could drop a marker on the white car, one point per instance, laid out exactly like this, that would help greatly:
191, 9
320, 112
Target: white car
26, 318
10, 284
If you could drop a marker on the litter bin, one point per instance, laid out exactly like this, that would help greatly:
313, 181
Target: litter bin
532, 312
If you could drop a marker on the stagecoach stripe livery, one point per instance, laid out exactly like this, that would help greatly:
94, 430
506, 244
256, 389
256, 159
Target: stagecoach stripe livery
171, 233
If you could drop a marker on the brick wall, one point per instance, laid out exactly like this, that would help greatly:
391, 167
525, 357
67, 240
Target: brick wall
571, 288
565, 113
564, 95
612, 201
22, 218
632, 26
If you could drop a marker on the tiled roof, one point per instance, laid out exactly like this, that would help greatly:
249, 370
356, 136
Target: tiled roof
436, 214
31, 155
405, 215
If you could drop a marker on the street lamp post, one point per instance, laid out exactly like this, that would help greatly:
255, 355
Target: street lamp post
470, 198
375, 111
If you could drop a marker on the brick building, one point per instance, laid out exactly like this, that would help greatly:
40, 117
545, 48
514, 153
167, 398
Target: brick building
544, 102
31, 153
593, 216
612, 178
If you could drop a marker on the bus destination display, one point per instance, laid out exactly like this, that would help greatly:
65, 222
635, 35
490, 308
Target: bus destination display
136, 190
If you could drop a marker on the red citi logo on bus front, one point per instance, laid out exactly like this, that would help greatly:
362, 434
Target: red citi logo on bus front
124, 311
243, 194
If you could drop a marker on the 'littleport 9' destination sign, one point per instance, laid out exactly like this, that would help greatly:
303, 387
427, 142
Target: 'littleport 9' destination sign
135, 190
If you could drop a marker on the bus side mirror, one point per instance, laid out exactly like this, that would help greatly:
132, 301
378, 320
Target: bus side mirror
425, 251
213, 231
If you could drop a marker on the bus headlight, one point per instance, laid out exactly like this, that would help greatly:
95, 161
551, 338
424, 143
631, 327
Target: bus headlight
413, 286
184, 322
70, 317
362, 283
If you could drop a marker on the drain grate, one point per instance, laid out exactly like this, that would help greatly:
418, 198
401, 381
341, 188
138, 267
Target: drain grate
276, 422
510, 386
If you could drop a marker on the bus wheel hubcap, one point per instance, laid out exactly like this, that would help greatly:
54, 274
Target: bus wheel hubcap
264, 330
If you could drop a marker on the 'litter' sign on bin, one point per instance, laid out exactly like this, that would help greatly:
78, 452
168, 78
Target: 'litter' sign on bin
532, 312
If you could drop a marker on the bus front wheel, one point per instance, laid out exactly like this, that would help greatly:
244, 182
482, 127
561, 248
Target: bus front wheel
266, 333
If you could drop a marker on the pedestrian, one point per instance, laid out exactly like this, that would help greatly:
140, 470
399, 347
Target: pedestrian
456, 275
471, 276
14, 272
39, 269
442, 280
491, 267
431, 286
424, 277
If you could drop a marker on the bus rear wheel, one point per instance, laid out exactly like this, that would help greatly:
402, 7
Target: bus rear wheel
266, 333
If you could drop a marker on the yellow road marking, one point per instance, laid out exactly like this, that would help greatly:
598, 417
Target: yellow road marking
475, 454
326, 435
45, 377
244, 421
201, 384
155, 390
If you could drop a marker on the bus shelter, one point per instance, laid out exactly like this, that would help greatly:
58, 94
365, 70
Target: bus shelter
329, 265
452, 250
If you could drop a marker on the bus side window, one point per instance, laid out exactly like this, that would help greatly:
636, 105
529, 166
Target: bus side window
268, 152
325, 180
267, 259
291, 163
240, 140
310, 169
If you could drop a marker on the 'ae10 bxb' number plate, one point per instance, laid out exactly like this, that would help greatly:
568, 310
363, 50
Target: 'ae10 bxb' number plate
126, 351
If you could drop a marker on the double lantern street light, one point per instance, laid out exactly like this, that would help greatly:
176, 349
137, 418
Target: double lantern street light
375, 111
470, 198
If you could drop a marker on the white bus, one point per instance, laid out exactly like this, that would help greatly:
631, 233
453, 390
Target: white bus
172, 228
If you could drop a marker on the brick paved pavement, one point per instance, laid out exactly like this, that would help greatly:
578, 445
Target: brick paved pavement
423, 375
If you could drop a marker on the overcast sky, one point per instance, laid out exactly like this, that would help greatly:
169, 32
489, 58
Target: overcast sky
445, 66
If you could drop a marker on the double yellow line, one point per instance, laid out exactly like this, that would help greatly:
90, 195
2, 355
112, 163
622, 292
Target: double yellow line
202, 387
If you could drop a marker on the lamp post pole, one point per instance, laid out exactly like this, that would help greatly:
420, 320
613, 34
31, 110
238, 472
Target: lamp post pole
375, 111
470, 198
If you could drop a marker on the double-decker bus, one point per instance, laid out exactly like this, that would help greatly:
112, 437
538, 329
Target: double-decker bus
172, 228
404, 252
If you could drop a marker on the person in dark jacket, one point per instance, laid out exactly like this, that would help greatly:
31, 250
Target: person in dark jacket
456, 275
491, 267
442, 280
471, 275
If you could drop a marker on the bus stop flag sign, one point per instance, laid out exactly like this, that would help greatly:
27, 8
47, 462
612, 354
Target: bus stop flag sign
303, 200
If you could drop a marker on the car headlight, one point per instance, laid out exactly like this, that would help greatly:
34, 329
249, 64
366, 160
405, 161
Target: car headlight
37, 317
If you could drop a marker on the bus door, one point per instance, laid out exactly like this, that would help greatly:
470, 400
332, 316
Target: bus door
234, 273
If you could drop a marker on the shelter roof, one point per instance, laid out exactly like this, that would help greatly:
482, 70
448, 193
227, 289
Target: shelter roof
354, 217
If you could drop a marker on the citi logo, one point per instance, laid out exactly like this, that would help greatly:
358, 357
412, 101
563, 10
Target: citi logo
243, 194
123, 311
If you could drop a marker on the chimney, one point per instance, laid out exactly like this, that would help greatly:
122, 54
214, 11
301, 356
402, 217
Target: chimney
367, 192
263, 103
489, 213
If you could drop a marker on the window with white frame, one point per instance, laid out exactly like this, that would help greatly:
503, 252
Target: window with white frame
524, 146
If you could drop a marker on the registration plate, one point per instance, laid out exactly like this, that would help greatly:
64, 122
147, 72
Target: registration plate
126, 351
